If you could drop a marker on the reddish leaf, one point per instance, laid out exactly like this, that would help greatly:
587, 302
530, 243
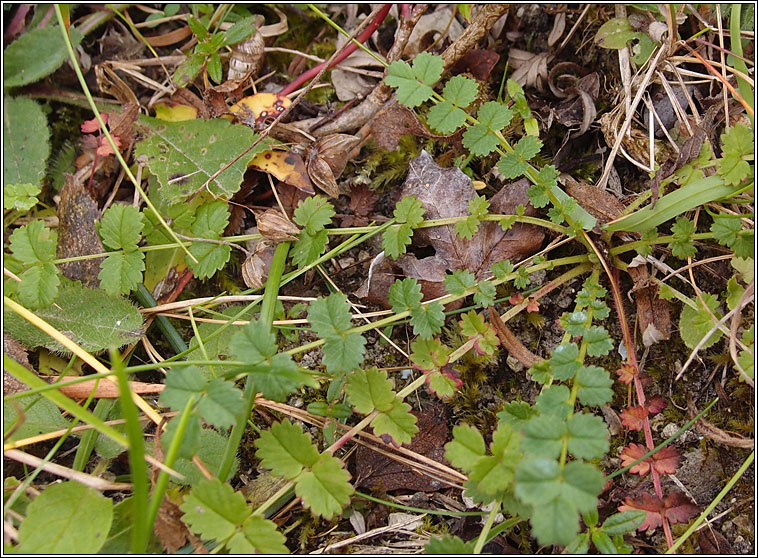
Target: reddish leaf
632, 453
477, 62
648, 503
656, 404
516, 299
626, 373
105, 149
362, 200
91, 126
633, 418
666, 461
679, 508
533, 305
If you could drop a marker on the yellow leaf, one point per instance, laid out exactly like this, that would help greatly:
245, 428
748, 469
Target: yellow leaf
174, 112
287, 166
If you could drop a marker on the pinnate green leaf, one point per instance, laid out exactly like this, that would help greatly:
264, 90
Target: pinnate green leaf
429, 354
370, 389
695, 324
20, 196
405, 295
563, 362
395, 239
214, 510
398, 422
285, 449
326, 488
599, 343
495, 473
184, 155
474, 326
309, 247
682, 246
313, 214
479, 140
446, 117
121, 227
218, 401
594, 385
588, 436
258, 536
553, 401
49, 517
343, 353
39, 286
329, 315
485, 293
736, 142
459, 281
501, 269
34, 243
210, 221
414, 83
409, 210
427, 320
543, 436
460, 90
466, 447
121, 272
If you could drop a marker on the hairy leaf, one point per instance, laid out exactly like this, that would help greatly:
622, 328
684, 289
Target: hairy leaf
466, 447
326, 488
285, 449
398, 422
370, 389
121, 227
427, 320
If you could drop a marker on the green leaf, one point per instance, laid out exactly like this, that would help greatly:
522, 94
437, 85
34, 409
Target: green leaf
39, 286
36, 54
599, 343
442, 384
446, 117
448, 545
728, 231
405, 295
517, 413
20, 196
121, 227
460, 90
413, 83
47, 528
214, 510
285, 449
211, 450
485, 293
221, 404
90, 317
494, 116
184, 155
474, 326
575, 323
34, 243
555, 522
398, 422
190, 443
501, 269
240, 31
429, 354
594, 386
543, 436
603, 543
308, 247
326, 488
623, 522
409, 210
580, 544
40, 416
210, 221
344, 353
370, 389
494, 474
479, 140
313, 214
258, 536
553, 401
736, 143
329, 315
121, 272
395, 239
511, 166
459, 281
563, 362
615, 33
695, 324
466, 447
427, 320
682, 246
582, 482
588, 436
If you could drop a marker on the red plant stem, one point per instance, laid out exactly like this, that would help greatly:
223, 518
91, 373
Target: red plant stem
362, 38
17, 23
405, 10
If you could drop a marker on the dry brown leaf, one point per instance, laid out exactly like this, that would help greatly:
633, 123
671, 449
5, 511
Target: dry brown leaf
653, 313
326, 159
602, 205
103, 389
256, 266
394, 122
275, 226
169, 528
477, 62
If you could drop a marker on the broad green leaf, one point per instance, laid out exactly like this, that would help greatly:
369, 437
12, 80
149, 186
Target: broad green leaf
623, 522
181, 384
308, 247
459, 281
214, 510
466, 447
594, 385
398, 422
405, 295
184, 155
615, 33
448, 545
543, 436
326, 488
285, 449
121, 273
428, 319
47, 528
90, 317
40, 416
35, 54
20, 196
313, 214
343, 353
329, 315
370, 389
259, 536
588, 436
695, 324
39, 286
121, 227
34, 243
446, 117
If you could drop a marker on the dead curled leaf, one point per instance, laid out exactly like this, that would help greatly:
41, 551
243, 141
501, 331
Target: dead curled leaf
256, 266
275, 226
653, 313
443, 193
326, 159
394, 122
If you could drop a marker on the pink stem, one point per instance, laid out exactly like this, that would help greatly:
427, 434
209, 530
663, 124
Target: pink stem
405, 10
17, 23
349, 49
